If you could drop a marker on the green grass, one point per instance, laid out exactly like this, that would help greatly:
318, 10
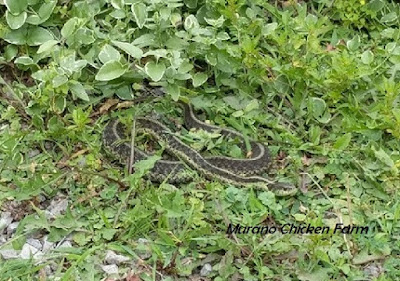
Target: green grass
318, 81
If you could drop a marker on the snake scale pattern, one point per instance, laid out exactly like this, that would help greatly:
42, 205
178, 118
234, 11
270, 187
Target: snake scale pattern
240, 172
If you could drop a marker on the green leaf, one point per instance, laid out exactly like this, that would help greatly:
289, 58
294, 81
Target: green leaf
16, 6
391, 17
109, 53
47, 46
59, 80
15, 21
252, 105
215, 23
175, 19
185, 67
118, 4
24, 60
71, 65
32, 36
363, 257
43, 13
140, 14
390, 47
155, 70
316, 275
80, 117
81, 238
59, 104
110, 70
199, 78
233, 102
367, 57
190, 22
396, 113
375, 5
84, 36
124, 93
315, 134
144, 40
174, 91
69, 27
16, 37
211, 59
130, 49
192, 4
78, 90
383, 157
268, 29
342, 142
238, 113
158, 53
108, 233
165, 13
354, 43
318, 106
38, 36
10, 52
388, 33
268, 199
118, 14
300, 217
142, 166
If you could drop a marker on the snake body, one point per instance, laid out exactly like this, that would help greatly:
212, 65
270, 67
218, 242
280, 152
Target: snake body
241, 172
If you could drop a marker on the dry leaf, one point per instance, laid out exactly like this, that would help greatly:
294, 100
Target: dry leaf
107, 105
78, 153
132, 277
125, 104
330, 48
305, 160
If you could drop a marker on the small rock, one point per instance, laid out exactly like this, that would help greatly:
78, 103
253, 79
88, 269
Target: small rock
82, 162
143, 240
142, 249
12, 227
110, 269
5, 220
374, 270
28, 251
57, 206
35, 243
48, 145
113, 258
33, 153
9, 254
5, 215
2, 240
48, 270
47, 245
3, 126
65, 244
207, 268
238, 261
54, 266
144, 255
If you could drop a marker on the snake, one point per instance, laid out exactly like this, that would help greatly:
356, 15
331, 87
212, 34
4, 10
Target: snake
235, 171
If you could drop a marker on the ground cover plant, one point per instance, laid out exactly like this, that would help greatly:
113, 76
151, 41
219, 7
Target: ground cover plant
317, 81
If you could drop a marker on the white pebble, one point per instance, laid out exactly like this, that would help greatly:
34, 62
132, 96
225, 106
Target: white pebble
207, 268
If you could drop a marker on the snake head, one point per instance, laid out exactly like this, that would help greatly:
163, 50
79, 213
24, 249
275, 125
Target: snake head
283, 189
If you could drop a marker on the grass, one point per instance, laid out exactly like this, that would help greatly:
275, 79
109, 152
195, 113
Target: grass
317, 81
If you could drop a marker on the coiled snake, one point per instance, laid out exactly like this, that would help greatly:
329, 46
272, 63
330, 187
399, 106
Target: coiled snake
241, 172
